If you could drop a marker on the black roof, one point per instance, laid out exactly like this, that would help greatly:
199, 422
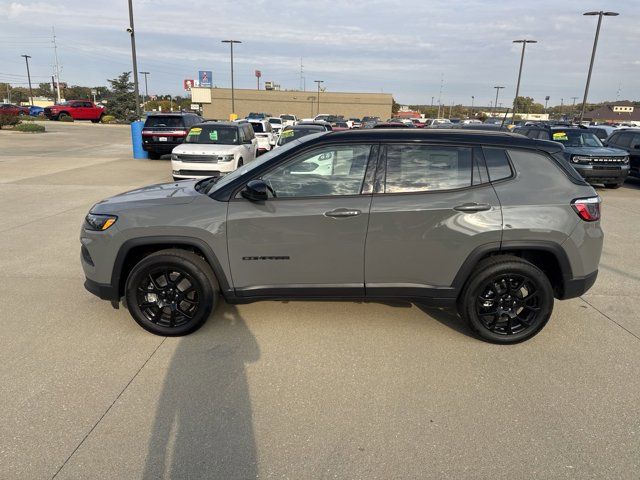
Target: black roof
467, 136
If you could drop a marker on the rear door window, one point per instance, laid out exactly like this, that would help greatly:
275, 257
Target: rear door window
425, 168
624, 139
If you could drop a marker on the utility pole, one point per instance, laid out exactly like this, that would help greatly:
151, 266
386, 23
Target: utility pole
301, 75
26, 59
319, 82
132, 33
495, 104
440, 94
600, 14
432, 101
515, 100
573, 107
472, 99
233, 95
450, 108
55, 53
146, 88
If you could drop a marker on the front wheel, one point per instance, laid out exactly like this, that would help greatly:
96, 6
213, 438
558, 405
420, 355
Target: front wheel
171, 292
506, 300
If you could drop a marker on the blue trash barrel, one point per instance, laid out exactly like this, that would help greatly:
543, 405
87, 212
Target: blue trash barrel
136, 139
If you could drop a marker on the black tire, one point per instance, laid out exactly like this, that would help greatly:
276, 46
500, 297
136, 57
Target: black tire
171, 292
613, 185
240, 163
62, 115
506, 300
154, 155
98, 120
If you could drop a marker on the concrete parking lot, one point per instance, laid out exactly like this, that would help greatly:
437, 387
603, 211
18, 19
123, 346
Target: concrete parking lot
290, 389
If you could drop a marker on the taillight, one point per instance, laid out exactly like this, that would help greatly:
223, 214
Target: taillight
588, 209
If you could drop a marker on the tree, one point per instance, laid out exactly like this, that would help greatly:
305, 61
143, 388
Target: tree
76, 92
395, 106
528, 105
122, 101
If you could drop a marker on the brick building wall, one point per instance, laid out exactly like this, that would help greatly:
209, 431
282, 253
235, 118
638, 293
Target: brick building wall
216, 103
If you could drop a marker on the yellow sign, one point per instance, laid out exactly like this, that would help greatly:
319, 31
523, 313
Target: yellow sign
233, 116
560, 136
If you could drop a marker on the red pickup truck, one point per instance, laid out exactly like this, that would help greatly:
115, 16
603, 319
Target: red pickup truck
76, 109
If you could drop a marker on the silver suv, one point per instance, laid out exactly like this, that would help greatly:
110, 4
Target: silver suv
494, 224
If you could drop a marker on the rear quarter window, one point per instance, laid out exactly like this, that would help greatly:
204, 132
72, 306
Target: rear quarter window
497, 163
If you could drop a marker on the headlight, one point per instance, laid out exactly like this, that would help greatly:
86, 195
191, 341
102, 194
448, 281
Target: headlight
174, 157
625, 160
579, 159
226, 158
99, 222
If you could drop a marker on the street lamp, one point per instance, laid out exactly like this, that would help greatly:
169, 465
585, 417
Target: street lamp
495, 104
319, 82
146, 88
26, 59
600, 14
134, 60
233, 98
515, 100
472, 99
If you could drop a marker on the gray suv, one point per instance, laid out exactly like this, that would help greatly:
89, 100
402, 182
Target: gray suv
495, 225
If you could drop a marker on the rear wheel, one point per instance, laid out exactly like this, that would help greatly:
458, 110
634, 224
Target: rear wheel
154, 155
506, 300
613, 185
171, 292
98, 120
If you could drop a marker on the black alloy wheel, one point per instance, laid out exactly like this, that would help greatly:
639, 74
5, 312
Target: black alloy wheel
506, 300
508, 304
171, 292
168, 297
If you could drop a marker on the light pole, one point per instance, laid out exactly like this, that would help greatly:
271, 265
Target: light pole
233, 95
319, 82
593, 54
26, 59
472, 99
134, 60
515, 100
495, 104
546, 102
146, 88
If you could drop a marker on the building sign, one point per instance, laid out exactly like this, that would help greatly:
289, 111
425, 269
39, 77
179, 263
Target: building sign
204, 78
187, 83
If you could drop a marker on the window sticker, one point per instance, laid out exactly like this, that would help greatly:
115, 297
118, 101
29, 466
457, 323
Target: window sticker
287, 133
195, 132
560, 136
213, 135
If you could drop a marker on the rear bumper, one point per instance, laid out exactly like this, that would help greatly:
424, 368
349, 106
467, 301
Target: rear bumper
574, 287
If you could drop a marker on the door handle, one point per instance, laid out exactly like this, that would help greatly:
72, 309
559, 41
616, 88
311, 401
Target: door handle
342, 212
473, 207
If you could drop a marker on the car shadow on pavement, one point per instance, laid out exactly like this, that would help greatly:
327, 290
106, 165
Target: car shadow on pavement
449, 318
203, 424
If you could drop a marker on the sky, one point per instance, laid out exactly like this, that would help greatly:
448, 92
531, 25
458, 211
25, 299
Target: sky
401, 47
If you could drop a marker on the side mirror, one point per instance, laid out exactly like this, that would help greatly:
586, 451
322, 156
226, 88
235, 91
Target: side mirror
255, 191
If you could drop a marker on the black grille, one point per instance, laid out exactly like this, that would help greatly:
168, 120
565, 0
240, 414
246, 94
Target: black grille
197, 158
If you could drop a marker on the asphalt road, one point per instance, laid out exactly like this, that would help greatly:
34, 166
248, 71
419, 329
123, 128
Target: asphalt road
291, 390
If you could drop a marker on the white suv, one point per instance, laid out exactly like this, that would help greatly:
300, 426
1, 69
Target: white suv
288, 120
212, 149
264, 134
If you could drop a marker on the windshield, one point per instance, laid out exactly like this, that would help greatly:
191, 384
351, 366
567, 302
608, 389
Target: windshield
275, 120
213, 134
576, 138
164, 121
287, 117
257, 127
291, 134
256, 163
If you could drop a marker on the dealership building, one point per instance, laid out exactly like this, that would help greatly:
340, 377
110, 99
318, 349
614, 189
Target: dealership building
216, 103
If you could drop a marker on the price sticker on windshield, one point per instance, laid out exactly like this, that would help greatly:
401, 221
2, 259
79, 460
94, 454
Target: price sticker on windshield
195, 131
287, 133
560, 136
213, 135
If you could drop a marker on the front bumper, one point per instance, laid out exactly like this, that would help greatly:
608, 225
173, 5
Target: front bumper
602, 173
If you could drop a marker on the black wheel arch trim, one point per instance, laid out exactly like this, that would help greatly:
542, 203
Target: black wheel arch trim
127, 246
513, 246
